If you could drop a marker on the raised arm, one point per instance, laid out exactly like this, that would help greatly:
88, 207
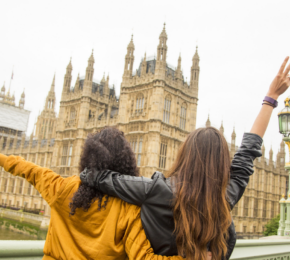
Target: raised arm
47, 182
133, 190
242, 164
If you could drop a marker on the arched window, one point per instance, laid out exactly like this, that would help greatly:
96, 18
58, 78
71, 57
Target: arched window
166, 112
139, 104
183, 116
72, 113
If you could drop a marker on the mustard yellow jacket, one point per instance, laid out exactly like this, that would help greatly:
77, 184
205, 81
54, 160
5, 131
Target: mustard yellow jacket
112, 233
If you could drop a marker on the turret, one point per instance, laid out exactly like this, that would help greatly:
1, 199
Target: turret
67, 79
208, 124
129, 59
22, 100
194, 73
144, 66
222, 129
88, 83
161, 56
271, 156
162, 47
233, 142
77, 84
178, 73
50, 99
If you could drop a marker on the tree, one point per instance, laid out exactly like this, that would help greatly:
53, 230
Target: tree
272, 226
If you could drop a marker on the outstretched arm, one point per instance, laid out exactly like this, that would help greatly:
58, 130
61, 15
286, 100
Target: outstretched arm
47, 182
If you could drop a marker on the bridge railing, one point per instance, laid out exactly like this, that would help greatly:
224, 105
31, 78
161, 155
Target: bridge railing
244, 250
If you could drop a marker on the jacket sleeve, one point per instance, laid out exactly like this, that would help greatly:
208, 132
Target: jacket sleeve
137, 245
133, 190
242, 167
47, 182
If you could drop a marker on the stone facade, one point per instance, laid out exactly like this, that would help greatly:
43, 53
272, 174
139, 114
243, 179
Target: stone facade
156, 110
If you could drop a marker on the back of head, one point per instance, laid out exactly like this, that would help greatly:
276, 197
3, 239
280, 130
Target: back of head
107, 149
201, 212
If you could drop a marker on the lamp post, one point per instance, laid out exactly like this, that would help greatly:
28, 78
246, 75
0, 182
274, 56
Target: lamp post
284, 129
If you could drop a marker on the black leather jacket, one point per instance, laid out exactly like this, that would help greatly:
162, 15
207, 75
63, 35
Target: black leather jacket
154, 195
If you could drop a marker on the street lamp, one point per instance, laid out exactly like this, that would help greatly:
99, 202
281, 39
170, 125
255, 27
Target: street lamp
284, 129
284, 119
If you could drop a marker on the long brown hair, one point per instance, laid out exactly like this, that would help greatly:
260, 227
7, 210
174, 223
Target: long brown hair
201, 212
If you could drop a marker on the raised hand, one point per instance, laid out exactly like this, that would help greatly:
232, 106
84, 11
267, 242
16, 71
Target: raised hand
281, 82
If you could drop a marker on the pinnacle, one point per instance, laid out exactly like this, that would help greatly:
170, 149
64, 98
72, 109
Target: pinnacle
92, 57
3, 88
163, 33
196, 56
52, 84
207, 124
131, 43
23, 94
69, 66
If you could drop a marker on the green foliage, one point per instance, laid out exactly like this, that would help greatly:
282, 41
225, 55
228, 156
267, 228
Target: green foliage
272, 226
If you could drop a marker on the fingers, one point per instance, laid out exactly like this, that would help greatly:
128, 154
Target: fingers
283, 66
286, 71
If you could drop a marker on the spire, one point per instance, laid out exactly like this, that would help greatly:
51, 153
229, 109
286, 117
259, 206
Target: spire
52, 84
196, 56
22, 100
90, 71
69, 66
207, 124
234, 134
179, 62
3, 88
271, 154
129, 59
163, 33
282, 146
77, 84
222, 129
162, 47
67, 80
144, 66
103, 79
263, 150
91, 59
131, 43
194, 73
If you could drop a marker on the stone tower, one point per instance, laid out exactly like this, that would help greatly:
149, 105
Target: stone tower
157, 108
87, 107
46, 121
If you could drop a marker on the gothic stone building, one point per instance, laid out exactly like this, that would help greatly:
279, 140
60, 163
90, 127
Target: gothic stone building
156, 110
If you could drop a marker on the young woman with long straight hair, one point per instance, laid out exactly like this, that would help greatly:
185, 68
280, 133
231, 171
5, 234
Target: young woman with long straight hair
189, 212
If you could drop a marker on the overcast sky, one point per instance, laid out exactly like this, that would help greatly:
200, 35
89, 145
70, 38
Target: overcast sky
241, 46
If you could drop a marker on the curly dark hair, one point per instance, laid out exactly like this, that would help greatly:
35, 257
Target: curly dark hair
107, 149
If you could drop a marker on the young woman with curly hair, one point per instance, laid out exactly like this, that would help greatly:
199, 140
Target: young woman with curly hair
109, 229
189, 212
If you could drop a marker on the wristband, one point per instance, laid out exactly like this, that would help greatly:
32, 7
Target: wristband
265, 103
271, 101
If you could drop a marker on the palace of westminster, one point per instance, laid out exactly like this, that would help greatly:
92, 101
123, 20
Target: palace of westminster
156, 110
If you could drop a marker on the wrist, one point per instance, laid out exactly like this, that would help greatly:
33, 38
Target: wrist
271, 95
